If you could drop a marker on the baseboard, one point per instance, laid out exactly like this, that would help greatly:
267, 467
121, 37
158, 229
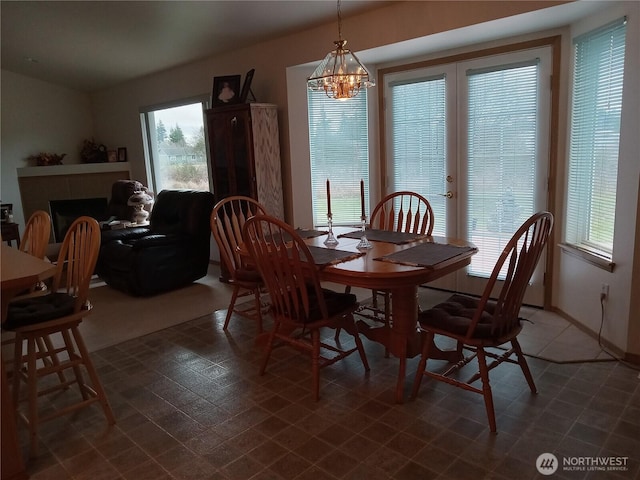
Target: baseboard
632, 358
610, 347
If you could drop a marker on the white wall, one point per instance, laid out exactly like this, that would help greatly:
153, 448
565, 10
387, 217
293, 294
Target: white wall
578, 283
38, 117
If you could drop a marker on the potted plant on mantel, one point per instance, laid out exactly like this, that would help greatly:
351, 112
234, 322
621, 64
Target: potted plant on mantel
46, 159
93, 152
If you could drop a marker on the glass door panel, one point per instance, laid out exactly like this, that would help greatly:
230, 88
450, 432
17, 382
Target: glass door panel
473, 138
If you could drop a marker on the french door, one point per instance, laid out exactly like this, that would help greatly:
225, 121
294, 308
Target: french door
473, 138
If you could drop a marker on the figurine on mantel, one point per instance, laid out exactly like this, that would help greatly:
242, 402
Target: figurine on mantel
44, 159
139, 200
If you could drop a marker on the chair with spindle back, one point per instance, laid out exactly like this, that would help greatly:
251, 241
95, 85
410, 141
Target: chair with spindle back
227, 220
481, 324
300, 307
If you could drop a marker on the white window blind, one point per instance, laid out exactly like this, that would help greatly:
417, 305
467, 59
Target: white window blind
502, 156
339, 151
594, 139
418, 136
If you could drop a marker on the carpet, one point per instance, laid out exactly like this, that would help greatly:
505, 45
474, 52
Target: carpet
117, 317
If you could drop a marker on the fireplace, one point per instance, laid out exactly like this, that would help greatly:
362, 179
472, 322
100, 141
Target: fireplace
41, 185
64, 212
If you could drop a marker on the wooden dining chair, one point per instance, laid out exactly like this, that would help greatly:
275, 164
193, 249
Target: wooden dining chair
227, 219
488, 322
34, 241
404, 211
301, 308
59, 312
36, 234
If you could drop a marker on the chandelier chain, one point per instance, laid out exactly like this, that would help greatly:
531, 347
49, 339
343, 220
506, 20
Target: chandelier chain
339, 21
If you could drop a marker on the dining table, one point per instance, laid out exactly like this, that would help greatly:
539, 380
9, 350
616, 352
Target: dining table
19, 271
396, 262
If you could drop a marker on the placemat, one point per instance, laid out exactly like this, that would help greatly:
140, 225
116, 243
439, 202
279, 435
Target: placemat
330, 256
304, 233
386, 236
426, 254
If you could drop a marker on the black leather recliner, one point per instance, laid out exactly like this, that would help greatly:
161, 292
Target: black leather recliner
171, 252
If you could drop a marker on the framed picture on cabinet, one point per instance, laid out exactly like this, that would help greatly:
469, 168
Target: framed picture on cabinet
246, 86
122, 154
112, 156
226, 90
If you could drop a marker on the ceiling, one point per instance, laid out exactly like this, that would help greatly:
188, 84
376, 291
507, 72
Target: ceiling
91, 45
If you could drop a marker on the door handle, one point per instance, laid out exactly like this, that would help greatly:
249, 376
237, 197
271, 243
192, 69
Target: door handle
449, 194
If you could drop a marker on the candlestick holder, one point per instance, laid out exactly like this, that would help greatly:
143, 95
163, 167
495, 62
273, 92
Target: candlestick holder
364, 242
331, 240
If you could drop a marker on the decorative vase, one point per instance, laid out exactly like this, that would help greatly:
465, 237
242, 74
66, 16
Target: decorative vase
140, 215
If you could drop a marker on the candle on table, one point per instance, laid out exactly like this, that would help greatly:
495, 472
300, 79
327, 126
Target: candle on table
362, 196
328, 199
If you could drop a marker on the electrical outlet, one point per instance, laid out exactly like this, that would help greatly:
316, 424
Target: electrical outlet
604, 290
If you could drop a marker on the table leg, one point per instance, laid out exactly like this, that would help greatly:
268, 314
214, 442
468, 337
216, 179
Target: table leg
404, 339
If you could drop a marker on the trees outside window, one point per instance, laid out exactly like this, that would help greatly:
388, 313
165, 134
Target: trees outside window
177, 159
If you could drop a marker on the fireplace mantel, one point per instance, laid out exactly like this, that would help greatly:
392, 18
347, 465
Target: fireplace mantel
74, 169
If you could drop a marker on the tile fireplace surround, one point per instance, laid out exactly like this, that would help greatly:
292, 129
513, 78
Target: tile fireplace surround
38, 185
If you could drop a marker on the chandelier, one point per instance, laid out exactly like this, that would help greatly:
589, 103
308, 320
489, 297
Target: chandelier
340, 74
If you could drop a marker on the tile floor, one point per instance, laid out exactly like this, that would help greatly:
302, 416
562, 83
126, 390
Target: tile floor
190, 404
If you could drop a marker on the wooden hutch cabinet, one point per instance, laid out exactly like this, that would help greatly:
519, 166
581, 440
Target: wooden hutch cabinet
245, 153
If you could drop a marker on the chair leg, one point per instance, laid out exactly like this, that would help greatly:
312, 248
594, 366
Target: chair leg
17, 367
269, 348
523, 365
232, 304
49, 356
350, 327
336, 337
71, 351
32, 389
486, 389
422, 364
258, 307
315, 363
93, 375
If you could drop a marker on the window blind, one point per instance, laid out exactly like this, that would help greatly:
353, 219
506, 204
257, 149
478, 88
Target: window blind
501, 154
594, 139
418, 134
339, 151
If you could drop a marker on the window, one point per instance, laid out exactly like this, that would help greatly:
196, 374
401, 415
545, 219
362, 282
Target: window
418, 106
472, 137
338, 143
594, 139
176, 147
502, 153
